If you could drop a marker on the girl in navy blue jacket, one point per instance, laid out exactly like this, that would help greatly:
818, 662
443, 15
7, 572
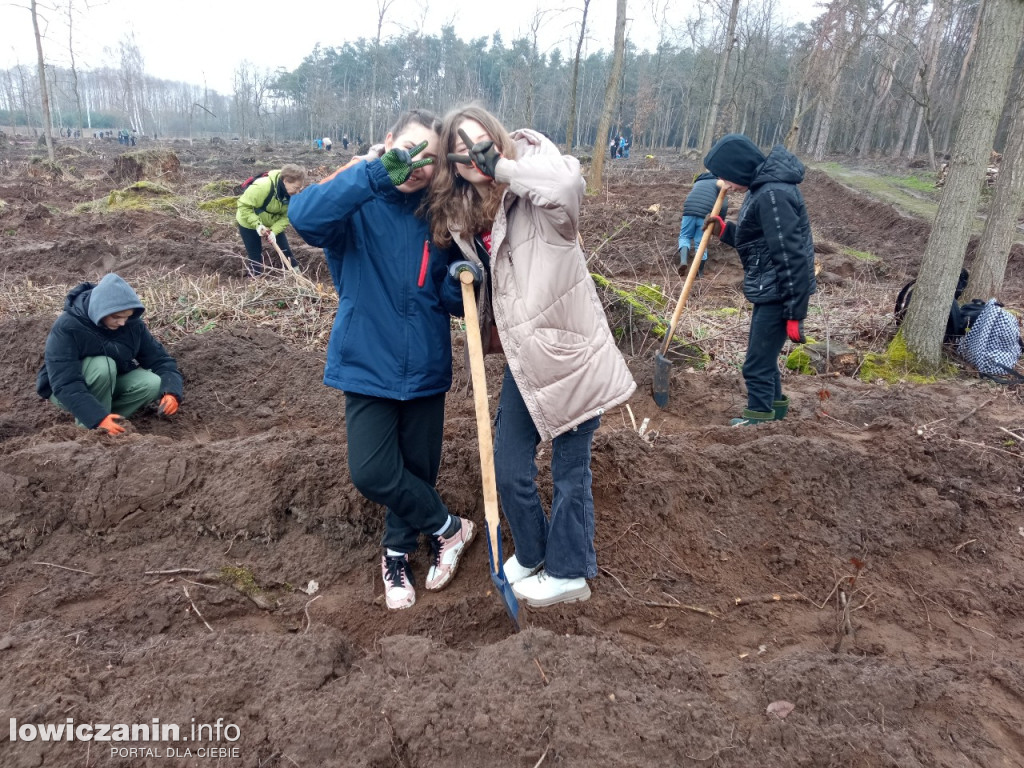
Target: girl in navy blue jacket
390, 347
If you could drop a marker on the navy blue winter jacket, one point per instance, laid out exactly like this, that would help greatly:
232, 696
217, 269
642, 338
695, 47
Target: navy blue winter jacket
392, 334
76, 336
773, 237
701, 198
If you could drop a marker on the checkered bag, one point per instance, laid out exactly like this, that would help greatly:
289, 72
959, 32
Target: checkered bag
992, 343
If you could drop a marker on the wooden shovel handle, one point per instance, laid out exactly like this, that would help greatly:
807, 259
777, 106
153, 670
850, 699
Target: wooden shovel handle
483, 418
692, 274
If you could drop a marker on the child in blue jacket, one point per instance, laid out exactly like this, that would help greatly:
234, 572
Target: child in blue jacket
390, 347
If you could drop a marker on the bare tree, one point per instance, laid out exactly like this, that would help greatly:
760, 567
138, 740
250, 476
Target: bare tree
595, 181
570, 129
382, 9
709, 136
1002, 26
43, 92
989, 266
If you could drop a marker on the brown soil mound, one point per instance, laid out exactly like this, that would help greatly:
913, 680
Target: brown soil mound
862, 560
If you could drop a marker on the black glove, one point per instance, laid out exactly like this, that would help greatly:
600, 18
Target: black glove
458, 267
482, 155
795, 331
399, 164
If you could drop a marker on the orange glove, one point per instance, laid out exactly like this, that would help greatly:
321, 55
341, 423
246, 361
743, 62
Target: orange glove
168, 405
113, 424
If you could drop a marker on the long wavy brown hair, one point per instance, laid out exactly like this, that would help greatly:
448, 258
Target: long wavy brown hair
453, 200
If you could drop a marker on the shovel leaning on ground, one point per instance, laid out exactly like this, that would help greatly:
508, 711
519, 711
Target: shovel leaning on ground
483, 431
662, 366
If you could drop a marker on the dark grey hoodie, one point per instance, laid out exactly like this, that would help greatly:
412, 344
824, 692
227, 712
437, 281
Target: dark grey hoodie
78, 334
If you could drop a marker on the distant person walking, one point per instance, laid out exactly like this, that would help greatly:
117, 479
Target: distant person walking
328, 143
696, 207
262, 214
101, 362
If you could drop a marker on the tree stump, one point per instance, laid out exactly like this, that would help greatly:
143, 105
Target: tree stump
147, 165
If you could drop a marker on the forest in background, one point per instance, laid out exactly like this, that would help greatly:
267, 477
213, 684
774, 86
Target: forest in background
866, 78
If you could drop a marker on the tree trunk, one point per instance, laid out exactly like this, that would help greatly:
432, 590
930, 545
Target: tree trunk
44, 94
709, 136
1002, 25
989, 266
570, 130
594, 182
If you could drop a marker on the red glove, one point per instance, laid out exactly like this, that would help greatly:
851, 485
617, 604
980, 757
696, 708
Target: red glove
113, 424
795, 331
717, 224
168, 405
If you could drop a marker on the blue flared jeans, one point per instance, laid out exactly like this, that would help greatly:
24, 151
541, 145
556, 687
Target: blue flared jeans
563, 542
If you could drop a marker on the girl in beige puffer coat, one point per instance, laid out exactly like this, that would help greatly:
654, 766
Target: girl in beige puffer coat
511, 202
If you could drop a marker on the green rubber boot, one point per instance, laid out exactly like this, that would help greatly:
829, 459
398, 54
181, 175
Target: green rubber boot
752, 418
781, 408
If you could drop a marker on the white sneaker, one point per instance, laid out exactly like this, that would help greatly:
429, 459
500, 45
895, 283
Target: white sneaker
399, 592
540, 590
515, 572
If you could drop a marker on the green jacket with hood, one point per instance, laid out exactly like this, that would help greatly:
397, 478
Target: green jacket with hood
275, 214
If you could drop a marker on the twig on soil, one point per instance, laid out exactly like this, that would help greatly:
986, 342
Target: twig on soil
667, 558
1012, 434
65, 568
305, 609
680, 606
185, 589
537, 764
955, 620
774, 597
172, 571
955, 550
974, 410
539, 667
654, 604
988, 447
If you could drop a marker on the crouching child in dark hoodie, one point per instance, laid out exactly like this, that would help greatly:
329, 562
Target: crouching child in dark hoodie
102, 364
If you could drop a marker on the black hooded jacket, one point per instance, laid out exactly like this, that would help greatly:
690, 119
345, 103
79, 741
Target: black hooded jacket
773, 237
75, 336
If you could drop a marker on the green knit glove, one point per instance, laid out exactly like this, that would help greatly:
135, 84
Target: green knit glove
399, 163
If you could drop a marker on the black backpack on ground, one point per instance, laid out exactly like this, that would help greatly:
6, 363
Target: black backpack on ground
959, 317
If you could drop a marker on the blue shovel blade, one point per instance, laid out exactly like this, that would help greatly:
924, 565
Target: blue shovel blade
508, 597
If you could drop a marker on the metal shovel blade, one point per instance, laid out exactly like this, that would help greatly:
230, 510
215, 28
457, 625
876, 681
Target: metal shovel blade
508, 597
662, 372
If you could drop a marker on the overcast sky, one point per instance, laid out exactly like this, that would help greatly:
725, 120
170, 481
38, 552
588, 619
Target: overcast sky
193, 40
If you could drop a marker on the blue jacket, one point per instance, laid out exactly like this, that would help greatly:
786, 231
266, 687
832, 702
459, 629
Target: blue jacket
77, 335
392, 334
773, 237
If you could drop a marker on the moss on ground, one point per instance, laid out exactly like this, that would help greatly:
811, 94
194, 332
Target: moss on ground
140, 196
898, 364
800, 361
221, 205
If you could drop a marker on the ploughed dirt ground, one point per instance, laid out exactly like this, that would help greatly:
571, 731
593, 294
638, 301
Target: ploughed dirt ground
862, 560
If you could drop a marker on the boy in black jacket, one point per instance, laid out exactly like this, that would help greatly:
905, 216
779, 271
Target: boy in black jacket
102, 364
773, 237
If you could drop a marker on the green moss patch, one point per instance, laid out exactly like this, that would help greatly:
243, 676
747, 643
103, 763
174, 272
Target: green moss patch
898, 364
